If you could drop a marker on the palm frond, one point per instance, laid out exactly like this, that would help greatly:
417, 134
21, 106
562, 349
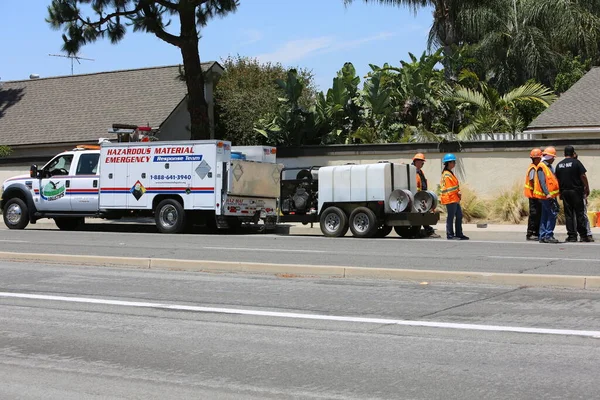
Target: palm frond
532, 92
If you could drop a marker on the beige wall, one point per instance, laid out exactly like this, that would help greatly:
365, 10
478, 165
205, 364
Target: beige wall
486, 172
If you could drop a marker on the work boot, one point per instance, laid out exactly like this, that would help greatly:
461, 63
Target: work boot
551, 240
587, 239
532, 237
571, 239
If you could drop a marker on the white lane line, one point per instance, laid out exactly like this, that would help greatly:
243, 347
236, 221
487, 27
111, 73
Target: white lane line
593, 260
381, 321
251, 249
13, 241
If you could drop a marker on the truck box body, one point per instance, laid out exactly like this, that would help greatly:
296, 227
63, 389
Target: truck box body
364, 183
131, 174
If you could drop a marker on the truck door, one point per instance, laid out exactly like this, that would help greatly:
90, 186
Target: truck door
138, 178
54, 184
83, 190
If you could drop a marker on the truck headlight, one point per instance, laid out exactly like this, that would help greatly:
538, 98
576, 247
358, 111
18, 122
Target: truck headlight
400, 200
425, 201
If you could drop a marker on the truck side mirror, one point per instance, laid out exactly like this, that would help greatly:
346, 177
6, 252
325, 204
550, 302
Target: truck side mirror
33, 171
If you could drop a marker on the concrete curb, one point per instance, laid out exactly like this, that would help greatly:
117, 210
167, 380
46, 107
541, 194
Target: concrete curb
299, 270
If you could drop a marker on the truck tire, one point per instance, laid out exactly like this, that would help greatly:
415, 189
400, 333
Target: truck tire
408, 232
383, 231
16, 214
334, 222
170, 216
363, 223
69, 224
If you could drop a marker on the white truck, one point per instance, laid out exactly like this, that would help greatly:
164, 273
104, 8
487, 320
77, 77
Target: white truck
370, 199
178, 183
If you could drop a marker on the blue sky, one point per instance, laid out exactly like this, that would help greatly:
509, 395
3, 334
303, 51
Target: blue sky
317, 34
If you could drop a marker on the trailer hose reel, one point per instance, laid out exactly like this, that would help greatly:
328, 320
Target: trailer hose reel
400, 200
425, 200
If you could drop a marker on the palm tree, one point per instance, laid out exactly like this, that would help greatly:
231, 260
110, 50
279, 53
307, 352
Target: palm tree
493, 113
446, 30
526, 39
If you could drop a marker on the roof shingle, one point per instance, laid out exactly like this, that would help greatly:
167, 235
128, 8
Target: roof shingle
84, 107
577, 107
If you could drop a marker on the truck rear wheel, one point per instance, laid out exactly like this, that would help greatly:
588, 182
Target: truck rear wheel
69, 224
408, 232
363, 222
334, 222
16, 214
170, 216
383, 231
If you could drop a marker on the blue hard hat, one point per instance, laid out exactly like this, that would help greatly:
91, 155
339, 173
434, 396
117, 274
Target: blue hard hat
449, 157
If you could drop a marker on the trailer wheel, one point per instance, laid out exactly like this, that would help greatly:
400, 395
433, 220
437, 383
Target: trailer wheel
383, 231
16, 214
363, 222
408, 232
334, 222
170, 216
69, 224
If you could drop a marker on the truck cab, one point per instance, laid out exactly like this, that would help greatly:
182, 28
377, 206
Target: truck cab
64, 187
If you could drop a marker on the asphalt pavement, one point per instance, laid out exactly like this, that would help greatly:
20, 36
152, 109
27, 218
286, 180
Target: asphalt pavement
505, 252
73, 332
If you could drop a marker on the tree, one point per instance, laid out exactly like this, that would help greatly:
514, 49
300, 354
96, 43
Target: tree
493, 113
571, 70
248, 92
293, 125
109, 18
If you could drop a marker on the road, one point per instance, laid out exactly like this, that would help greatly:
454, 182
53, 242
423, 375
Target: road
507, 253
71, 332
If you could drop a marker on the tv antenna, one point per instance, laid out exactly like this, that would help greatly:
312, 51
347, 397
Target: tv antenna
72, 58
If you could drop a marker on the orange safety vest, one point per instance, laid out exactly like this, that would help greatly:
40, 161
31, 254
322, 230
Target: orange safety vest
419, 184
450, 188
551, 183
528, 187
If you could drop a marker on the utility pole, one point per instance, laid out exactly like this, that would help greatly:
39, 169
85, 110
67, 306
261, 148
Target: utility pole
72, 58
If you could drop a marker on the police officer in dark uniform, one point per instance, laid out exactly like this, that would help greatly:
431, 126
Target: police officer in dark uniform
574, 189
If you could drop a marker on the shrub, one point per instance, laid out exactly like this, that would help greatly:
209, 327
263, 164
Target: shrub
473, 207
593, 203
511, 205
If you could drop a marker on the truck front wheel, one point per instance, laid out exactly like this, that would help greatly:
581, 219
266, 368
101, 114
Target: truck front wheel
363, 222
334, 222
170, 216
16, 214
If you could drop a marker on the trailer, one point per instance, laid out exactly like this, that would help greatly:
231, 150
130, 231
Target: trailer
369, 199
178, 183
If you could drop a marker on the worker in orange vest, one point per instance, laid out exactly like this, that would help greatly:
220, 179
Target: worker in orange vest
451, 199
535, 205
546, 189
418, 161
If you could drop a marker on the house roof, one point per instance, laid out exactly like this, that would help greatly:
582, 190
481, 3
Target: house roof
83, 107
578, 107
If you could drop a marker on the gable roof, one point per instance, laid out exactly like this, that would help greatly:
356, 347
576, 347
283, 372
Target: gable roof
578, 107
83, 107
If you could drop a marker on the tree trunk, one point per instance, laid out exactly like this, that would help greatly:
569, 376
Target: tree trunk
194, 78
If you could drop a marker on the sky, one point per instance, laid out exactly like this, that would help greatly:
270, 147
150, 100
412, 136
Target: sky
320, 35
